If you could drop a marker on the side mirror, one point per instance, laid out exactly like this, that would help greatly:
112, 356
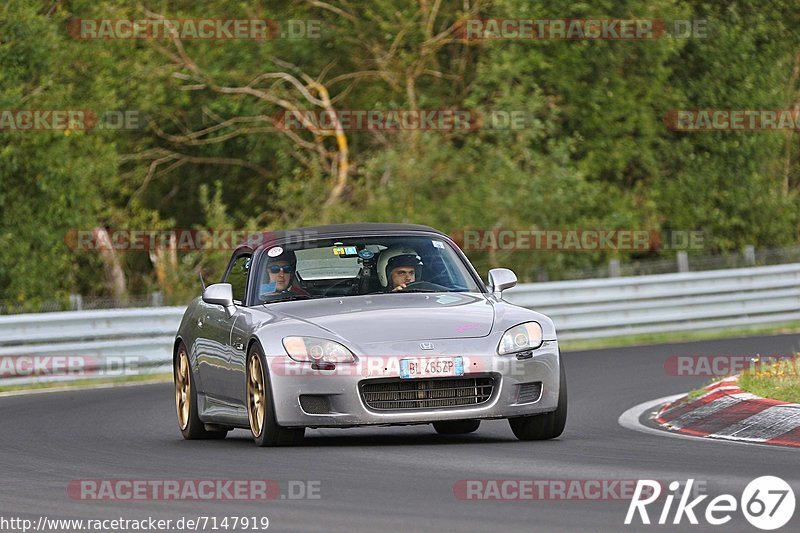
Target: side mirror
501, 279
220, 294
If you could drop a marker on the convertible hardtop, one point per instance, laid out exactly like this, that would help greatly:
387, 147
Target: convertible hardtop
333, 230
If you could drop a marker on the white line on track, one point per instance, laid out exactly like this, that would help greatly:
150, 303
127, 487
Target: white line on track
26, 392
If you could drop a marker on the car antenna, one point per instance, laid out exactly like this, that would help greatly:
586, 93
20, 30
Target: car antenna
203, 283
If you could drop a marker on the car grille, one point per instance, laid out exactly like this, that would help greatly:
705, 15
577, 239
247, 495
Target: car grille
315, 405
402, 394
530, 392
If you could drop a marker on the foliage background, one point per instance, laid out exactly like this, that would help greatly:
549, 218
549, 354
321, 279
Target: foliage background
595, 154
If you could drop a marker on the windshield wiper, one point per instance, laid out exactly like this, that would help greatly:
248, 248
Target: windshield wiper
416, 290
291, 298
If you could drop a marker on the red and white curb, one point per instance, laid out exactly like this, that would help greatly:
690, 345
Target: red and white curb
726, 412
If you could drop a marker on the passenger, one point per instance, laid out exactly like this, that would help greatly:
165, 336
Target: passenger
281, 271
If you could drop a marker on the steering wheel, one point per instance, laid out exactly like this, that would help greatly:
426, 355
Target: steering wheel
427, 286
352, 281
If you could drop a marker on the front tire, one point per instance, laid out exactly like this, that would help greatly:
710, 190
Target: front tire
548, 425
456, 427
261, 407
186, 400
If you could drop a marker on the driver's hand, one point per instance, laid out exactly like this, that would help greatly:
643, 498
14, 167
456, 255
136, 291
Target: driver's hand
399, 287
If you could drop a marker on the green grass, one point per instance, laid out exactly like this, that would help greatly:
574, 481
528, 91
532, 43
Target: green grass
696, 393
61, 385
686, 336
779, 380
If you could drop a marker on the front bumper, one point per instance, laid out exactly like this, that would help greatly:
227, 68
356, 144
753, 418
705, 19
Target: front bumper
334, 398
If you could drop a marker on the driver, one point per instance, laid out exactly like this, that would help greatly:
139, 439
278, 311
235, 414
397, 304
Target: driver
398, 267
281, 270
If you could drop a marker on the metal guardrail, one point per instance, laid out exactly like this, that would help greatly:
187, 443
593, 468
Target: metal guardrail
86, 344
581, 309
666, 303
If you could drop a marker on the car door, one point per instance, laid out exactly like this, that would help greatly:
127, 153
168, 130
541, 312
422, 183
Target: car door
224, 361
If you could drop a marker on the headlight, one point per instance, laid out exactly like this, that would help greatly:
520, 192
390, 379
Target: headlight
313, 350
526, 336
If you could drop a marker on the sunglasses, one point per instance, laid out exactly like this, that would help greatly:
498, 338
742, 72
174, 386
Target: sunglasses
287, 269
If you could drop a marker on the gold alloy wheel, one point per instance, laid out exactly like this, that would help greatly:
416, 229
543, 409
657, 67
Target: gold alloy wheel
256, 407
183, 389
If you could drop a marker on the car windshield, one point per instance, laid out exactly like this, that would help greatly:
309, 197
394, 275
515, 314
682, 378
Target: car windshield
340, 267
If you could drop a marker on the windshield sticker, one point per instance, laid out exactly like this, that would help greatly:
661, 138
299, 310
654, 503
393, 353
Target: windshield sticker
275, 251
438, 244
345, 251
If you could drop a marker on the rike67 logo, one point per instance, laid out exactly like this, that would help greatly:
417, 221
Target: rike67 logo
767, 503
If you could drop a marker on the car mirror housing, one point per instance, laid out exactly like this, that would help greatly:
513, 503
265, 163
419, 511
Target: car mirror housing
220, 294
501, 279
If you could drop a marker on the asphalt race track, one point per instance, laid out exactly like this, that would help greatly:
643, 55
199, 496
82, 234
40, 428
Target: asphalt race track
384, 478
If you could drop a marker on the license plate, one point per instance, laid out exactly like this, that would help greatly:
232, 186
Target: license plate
431, 367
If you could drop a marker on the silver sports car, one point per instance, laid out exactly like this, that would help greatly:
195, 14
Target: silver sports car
357, 325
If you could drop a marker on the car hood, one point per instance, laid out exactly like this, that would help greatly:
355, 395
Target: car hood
395, 317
